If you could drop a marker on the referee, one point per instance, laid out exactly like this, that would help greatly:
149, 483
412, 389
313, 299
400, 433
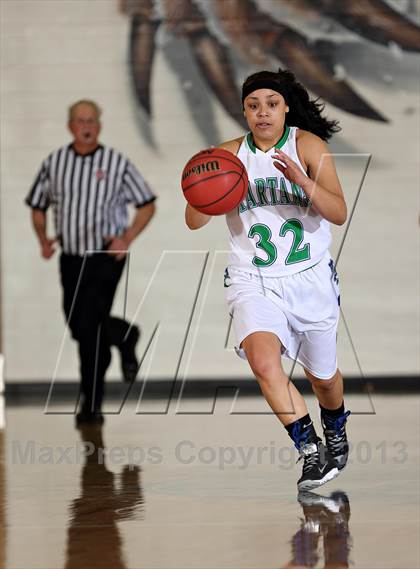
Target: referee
89, 186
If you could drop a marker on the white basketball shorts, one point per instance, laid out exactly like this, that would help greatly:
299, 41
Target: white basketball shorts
302, 310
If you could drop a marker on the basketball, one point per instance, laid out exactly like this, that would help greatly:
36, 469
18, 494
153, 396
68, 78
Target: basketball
214, 181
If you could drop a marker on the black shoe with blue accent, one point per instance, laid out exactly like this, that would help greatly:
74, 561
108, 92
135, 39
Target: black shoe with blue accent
318, 465
336, 437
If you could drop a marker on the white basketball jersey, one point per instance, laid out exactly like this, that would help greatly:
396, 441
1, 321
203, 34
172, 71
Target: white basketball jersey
274, 231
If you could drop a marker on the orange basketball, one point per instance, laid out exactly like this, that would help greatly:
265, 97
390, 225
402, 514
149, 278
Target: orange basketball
214, 181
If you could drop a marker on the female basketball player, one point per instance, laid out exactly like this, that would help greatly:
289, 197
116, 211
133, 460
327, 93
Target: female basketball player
281, 283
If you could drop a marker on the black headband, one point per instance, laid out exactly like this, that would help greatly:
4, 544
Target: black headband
263, 84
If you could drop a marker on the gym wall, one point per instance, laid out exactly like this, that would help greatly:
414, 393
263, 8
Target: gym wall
54, 53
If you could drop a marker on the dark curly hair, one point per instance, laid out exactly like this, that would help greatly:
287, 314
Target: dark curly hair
304, 112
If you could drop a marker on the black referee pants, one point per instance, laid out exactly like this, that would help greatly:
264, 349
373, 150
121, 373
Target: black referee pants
89, 285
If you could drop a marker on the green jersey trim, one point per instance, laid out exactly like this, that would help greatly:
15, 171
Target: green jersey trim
250, 142
284, 138
279, 144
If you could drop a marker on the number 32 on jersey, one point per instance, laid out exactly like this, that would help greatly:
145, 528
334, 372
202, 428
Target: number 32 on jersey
297, 253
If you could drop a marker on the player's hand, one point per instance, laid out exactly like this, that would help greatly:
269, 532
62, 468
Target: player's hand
48, 248
118, 247
289, 168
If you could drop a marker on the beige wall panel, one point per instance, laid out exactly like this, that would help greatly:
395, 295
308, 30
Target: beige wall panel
56, 52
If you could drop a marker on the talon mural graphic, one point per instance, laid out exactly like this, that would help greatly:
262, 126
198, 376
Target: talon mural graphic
224, 40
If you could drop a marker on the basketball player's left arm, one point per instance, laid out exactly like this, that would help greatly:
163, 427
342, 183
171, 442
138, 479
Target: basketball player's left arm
321, 183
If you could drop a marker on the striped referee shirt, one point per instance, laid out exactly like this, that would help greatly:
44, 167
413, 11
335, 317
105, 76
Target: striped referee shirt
89, 194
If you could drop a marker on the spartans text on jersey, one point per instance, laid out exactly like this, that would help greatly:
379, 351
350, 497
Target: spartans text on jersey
273, 191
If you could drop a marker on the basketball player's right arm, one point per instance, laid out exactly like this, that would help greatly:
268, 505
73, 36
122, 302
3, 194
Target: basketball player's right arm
195, 219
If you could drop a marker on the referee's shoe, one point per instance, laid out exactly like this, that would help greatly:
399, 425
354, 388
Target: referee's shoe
87, 416
129, 361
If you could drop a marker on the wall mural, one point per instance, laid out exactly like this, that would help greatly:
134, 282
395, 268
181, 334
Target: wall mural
213, 45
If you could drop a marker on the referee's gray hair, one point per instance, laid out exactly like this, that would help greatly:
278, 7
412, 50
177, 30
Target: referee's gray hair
89, 102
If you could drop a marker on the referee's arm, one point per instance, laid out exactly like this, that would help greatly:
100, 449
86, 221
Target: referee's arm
143, 215
38, 200
39, 222
138, 193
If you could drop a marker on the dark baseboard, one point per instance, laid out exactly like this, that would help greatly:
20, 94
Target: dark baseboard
33, 392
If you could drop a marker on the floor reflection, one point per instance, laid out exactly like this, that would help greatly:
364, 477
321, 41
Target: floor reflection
2, 497
106, 498
326, 519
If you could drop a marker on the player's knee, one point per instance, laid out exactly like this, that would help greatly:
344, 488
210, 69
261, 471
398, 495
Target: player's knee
324, 384
269, 381
266, 369
261, 366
